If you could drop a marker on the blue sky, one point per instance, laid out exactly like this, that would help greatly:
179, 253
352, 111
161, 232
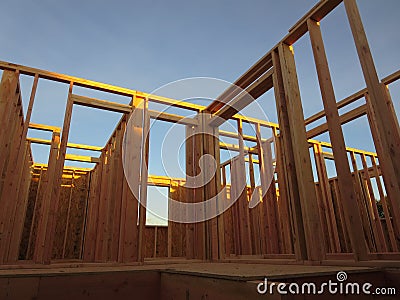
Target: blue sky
143, 45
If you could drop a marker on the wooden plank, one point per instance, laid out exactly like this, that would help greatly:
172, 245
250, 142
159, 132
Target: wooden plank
101, 104
302, 160
255, 90
8, 88
97, 85
388, 180
14, 184
167, 117
143, 106
376, 221
387, 216
100, 252
21, 206
44, 127
190, 192
361, 203
109, 201
170, 223
258, 69
69, 145
299, 236
34, 214
284, 202
326, 205
118, 192
220, 196
12, 172
45, 199
352, 217
385, 123
268, 207
129, 229
200, 238
236, 218
353, 97
340, 220
343, 119
82, 158
270, 199
67, 219
241, 193
211, 183
55, 192
254, 212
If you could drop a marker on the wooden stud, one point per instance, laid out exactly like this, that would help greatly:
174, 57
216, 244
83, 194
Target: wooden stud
374, 215
383, 118
383, 200
143, 107
363, 208
43, 216
241, 193
352, 217
289, 103
190, 192
327, 211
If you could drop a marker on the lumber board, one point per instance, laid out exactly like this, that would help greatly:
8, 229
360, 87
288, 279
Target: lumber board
44, 127
144, 158
384, 120
69, 145
288, 151
45, 202
301, 155
243, 99
101, 104
56, 186
352, 217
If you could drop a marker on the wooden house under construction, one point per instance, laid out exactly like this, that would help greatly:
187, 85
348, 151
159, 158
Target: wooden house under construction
70, 232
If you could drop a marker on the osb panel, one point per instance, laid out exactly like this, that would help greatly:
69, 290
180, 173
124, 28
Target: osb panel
33, 188
162, 241
178, 247
72, 236
148, 241
61, 221
76, 217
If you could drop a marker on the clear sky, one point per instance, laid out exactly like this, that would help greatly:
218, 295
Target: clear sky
143, 45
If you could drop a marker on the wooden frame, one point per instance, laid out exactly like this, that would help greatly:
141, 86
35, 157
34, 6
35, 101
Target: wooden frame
297, 210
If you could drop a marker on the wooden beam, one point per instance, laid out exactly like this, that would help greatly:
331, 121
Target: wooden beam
55, 191
82, 158
44, 127
352, 216
387, 137
101, 104
128, 238
299, 237
354, 97
241, 194
144, 154
255, 90
69, 145
306, 187
162, 116
45, 199
343, 119
191, 173
97, 85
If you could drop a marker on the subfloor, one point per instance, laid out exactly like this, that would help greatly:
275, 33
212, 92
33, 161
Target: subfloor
178, 279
